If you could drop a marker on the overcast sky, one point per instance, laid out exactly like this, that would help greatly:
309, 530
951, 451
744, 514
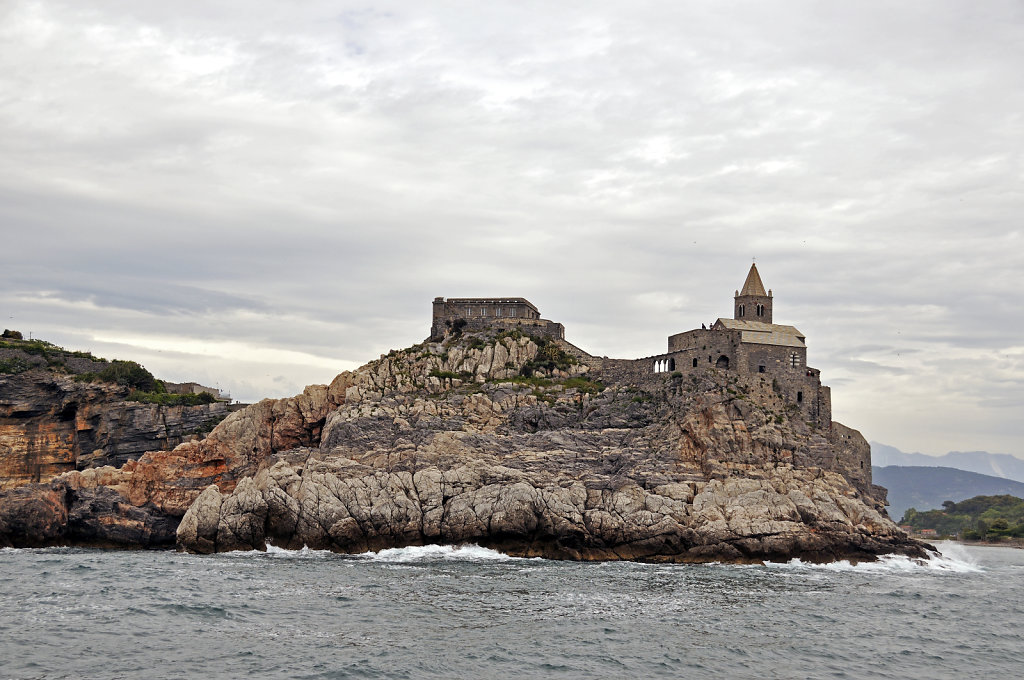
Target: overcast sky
258, 195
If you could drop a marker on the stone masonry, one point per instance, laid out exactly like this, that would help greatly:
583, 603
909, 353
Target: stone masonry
749, 344
504, 313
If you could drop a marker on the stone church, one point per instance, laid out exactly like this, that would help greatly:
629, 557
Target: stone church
749, 343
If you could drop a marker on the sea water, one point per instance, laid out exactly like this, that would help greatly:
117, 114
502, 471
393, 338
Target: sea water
474, 613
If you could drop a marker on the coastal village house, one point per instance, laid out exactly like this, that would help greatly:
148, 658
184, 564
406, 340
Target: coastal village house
749, 343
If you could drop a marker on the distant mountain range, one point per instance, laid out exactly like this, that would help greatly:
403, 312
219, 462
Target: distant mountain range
1000, 465
925, 488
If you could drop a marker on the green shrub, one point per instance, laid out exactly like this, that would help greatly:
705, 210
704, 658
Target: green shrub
549, 357
515, 334
532, 380
585, 385
14, 366
131, 374
165, 399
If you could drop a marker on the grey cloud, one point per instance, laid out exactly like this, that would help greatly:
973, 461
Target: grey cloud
309, 176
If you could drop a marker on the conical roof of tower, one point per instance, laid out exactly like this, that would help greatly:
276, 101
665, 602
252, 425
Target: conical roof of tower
753, 285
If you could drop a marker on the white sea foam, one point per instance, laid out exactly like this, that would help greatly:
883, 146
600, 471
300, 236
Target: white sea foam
952, 558
431, 553
424, 553
304, 551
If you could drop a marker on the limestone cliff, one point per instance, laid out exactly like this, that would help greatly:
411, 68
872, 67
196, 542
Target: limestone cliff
499, 440
51, 424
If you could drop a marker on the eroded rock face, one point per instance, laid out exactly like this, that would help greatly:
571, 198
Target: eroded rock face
451, 444
39, 515
51, 424
548, 494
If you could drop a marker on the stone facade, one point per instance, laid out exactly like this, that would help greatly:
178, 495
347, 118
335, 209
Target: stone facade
503, 313
749, 344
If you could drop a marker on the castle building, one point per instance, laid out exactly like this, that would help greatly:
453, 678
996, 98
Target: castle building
488, 313
749, 344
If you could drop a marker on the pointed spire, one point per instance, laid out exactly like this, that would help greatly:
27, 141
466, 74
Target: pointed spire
753, 285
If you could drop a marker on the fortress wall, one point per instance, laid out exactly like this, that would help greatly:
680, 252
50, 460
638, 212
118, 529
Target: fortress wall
539, 327
802, 388
628, 371
854, 460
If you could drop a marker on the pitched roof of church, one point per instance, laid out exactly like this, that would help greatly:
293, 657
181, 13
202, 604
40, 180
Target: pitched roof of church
760, 333
753, 285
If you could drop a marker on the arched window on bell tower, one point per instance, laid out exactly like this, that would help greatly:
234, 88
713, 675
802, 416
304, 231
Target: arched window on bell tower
753, 295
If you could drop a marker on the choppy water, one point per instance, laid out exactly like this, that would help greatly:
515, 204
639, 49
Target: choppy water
443, 612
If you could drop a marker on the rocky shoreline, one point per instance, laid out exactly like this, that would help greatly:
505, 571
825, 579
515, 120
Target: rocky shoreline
502, 440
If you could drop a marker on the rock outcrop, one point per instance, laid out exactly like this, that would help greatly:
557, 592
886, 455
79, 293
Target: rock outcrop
507, 442
51, 424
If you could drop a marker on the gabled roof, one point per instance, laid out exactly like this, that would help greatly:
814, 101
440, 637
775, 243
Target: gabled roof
753, 285
760, 333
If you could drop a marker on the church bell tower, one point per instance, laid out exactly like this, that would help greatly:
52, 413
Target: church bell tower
752, 303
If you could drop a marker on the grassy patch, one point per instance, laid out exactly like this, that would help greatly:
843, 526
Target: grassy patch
450, 375
584, 385
531, 380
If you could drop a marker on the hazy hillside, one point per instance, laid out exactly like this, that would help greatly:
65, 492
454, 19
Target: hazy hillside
1000, 465
925, 488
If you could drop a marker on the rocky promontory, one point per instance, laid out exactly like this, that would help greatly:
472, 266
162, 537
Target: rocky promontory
62, 410
522, 444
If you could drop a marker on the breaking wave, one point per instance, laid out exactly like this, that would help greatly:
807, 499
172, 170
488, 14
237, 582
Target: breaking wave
952, 558
433, 553
423, 553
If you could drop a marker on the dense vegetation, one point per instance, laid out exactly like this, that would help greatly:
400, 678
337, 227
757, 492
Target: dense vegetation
978, 518
166, 399
126, 374
130, 374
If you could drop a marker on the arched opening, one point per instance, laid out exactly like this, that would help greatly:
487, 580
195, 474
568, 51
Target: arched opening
695, 362
671, 364
799, 397
761, 368
723, 362
741, 310
760, 310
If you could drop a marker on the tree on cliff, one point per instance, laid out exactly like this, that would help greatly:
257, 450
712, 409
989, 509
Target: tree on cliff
131, 374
